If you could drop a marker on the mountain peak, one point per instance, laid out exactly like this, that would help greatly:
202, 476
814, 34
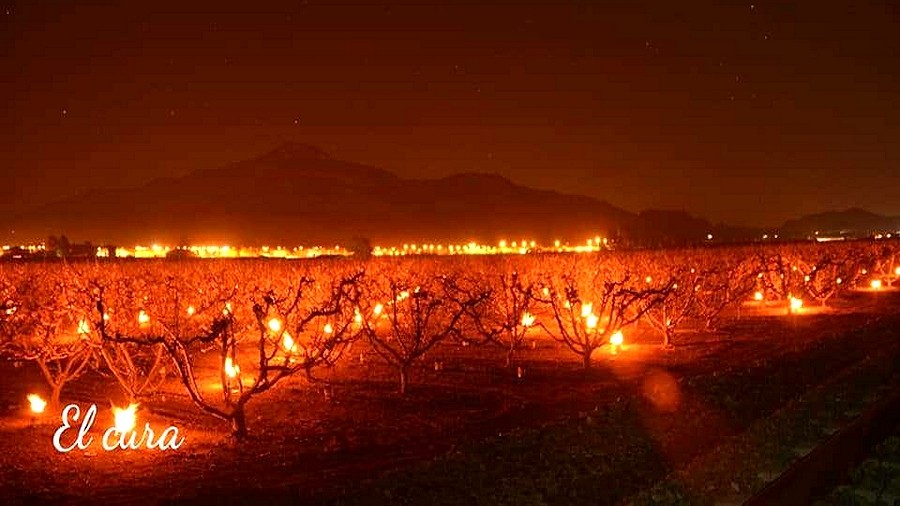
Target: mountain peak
289, 151
476, 178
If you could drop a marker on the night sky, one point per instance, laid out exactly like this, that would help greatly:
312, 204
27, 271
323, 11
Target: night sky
746, 112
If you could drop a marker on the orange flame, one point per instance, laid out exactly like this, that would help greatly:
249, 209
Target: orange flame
124, 418
36, 403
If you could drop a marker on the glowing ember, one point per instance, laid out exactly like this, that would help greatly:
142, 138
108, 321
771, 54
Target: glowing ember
378, 309
586, 309
143, 317
36, 403
357, 317
328, 329
617, 339
287, 342
527, 319
591, 321
875, 284
227, 310
84, 327
190, 310
231, 369
758, 296
124, 418
275, 325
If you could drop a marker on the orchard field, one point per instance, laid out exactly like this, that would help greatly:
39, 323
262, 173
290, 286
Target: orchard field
645, 377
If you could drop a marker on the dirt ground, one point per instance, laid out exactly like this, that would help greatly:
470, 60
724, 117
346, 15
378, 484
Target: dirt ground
311, 441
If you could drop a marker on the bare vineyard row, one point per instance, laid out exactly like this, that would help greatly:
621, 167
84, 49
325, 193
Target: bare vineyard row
265, 321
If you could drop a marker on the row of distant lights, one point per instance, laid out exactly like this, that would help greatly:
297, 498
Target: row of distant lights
472, 248
502, 247
157, 251
225, 251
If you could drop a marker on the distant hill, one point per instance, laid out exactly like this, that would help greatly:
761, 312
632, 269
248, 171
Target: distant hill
298, 194
852, 222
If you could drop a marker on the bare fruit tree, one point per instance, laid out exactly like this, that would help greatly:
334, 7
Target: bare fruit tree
224, 325
725, 280
410, 313
585, 317
680, 287
506, 317
826, 273
42, 323
779, 275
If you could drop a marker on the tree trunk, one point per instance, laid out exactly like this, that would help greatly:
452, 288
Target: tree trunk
509, 357
56, 391
586, 359
404, 379
239, 423
667, 339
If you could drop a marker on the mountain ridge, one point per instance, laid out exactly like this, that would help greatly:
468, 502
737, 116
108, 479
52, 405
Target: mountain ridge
300, 194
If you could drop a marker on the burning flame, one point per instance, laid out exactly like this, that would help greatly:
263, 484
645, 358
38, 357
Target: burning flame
275, 325
527, 319
84, 327
36, 403
758, 296
227, 310
287, 342
796, 304
897, 271
190, 310
328, 329
124, 418
231, 369
617, 339
586, 309
875, 284
591, 321
357, 317
143, 317
378, 309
